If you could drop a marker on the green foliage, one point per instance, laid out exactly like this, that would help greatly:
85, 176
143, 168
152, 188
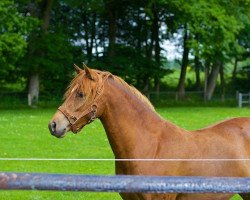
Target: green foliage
213, 24
133, 31
14, 28
130, 64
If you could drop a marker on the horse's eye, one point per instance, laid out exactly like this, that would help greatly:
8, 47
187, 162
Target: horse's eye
80, 94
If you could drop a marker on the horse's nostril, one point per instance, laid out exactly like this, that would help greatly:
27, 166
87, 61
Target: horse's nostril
53, 124
52, 127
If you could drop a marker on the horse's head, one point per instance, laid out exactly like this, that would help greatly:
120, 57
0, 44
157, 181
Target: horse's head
83, 102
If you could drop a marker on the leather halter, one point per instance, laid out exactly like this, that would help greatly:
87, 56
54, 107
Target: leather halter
77, 119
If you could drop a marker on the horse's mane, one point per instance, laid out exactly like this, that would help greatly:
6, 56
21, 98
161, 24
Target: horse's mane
78, 79
136, 92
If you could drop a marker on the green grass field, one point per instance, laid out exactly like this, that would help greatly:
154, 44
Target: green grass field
24, 134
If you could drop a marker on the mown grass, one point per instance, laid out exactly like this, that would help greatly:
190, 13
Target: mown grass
24, 134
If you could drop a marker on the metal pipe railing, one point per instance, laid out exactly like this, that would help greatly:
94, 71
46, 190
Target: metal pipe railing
123, 183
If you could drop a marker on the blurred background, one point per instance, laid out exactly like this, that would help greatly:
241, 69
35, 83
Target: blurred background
191, 52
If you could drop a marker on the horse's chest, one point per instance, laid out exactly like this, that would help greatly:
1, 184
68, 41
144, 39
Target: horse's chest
128, 168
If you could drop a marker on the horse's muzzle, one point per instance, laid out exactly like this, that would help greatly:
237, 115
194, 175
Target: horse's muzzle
55, 131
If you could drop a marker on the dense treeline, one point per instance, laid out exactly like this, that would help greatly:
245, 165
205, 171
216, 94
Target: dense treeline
41, 39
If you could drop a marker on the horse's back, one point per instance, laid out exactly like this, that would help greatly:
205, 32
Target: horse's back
228, 130
233, 125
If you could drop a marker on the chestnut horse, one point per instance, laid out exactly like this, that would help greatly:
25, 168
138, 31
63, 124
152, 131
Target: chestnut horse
136, 131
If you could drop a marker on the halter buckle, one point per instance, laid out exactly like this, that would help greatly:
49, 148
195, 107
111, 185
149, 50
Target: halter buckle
93, 111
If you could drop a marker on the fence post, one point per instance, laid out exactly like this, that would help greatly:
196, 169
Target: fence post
237, 95
176, 96
240, 100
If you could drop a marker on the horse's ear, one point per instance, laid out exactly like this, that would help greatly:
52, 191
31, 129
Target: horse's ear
78, 69
88, 72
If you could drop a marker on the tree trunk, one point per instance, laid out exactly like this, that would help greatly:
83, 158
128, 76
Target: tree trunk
145, 84
112, 34
197, 66
206, 80
157, 48
46, 15
112, 15
33, 93
222, 83
92, 38
87, 45
197, 73
212, 79
149, 49
234, 70
139, 39
184, 64
89, 33
86, 31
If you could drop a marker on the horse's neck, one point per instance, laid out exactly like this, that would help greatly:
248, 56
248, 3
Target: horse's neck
131, 126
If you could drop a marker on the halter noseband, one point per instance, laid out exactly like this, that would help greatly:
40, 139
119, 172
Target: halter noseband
76, 121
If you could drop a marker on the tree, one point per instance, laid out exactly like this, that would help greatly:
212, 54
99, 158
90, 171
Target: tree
217, 23
242, 52
184, 63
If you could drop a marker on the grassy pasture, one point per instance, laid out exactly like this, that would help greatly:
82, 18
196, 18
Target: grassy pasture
24, 134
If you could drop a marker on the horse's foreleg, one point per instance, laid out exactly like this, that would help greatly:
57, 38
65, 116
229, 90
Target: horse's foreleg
143, 196
135, 196
204, 196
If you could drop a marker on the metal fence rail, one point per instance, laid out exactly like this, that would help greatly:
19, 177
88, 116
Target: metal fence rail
144, 184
